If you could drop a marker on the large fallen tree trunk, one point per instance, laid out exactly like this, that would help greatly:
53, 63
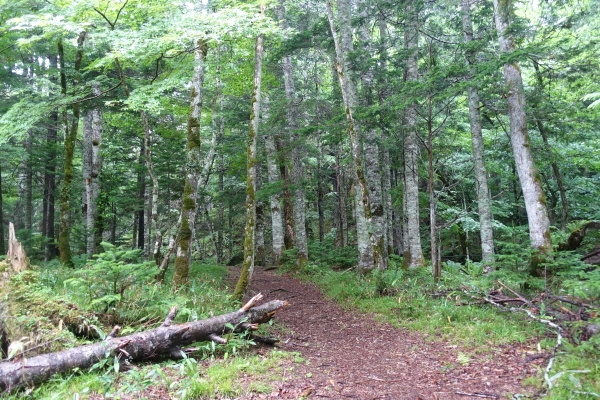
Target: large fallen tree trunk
164, 341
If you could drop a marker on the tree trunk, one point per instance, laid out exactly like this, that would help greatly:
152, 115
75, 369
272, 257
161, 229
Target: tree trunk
373, 169
259, 259
413, 254
484, 201
190, 190
138, 226
2, 245
164, 341
533, 195
16, 256
28, 206
275, 200
248, 264
50, 250
49, 247
343, 46
64, 246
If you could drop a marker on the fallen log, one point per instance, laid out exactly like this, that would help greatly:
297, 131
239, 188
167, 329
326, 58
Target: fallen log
164, 341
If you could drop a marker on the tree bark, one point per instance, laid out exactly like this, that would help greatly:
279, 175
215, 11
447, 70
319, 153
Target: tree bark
484, 201
16, 256
413, 253
373, 165
2, 245
259, 259
275, 200
190, 190
249, 231
64, 245
164, 341
533, 195
50, 250
343, 46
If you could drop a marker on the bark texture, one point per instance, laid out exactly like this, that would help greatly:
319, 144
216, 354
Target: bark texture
190, 189
165, 341
249, 231
16, 256
64, 245
343, 46
531, 185
275, 201
413, 254
484, 201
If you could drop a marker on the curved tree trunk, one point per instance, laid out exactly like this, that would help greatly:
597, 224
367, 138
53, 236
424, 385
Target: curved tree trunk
248, 264
343, 46
484, 201
533, 195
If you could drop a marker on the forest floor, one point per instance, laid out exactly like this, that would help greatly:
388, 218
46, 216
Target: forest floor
350, 355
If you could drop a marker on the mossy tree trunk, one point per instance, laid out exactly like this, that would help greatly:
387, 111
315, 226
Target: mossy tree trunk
249, 230
71, 128
343, 46
484, 201
531, 185
190, 188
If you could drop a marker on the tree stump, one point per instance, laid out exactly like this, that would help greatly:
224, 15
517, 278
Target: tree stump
16, 256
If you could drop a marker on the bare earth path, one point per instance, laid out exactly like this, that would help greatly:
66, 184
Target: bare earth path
350, 355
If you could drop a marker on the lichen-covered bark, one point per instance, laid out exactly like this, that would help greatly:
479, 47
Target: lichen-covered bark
413, 253
483, 194
2, 244
343, 46
190, 189
91, 168
259, 258
64, 246
371, 147
531, 185
249, 231
275, 202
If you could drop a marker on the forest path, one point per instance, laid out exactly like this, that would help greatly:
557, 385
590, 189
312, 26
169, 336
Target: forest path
350, 355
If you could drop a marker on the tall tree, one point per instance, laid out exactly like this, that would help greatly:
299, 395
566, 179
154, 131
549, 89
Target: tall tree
275, 201
533, 195
413, 254
343, 47
297, 151
192, 176
71, 127
248, 263
484, 201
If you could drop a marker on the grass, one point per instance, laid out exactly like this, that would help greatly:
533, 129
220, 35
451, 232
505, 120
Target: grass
442, 311
43, 302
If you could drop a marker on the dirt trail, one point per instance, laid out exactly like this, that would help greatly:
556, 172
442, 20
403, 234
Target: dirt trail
349, 355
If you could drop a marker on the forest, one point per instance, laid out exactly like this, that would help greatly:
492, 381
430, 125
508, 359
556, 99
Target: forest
430, 166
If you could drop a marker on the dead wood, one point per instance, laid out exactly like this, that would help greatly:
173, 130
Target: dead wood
16, 256
167, 340
577, 236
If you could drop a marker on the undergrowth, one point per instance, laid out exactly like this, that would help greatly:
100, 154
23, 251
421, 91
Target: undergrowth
452, 309
52, 308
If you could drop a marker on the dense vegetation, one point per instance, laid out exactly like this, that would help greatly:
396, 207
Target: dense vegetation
386, 149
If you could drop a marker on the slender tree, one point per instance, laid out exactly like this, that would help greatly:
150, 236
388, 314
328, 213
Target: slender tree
413, 254
64, 245
190, 189
249, 231
484, 201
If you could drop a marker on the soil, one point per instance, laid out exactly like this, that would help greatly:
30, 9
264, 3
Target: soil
349, 355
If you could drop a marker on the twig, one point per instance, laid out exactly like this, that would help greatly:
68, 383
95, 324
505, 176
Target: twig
483, 395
